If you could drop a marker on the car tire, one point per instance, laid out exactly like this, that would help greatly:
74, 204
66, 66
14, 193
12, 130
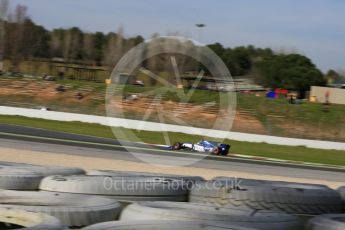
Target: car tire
46, 170
227, 150
114, 186
293, 198
216, 151
27, 220
177, 146
341, 190
132, 199
327, 222
244, 217
19, 179
188, 181
163, 225
112, 173
57, 170
72, 210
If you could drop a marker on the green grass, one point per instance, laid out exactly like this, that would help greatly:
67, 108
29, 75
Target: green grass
310, 117
303, 154
305, 112
310, 112
293, 153
307, 120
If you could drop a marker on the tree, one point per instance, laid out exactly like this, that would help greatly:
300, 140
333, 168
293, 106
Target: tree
77, 43
36, 41
238, 61
137, 40
73, 44
57, 43
292, 71
333, 77
67, 45
3, 14
88, 48
98, 43
15, 35
115, 48
217, 48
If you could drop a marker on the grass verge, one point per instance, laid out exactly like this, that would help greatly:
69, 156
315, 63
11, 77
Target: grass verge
293, 153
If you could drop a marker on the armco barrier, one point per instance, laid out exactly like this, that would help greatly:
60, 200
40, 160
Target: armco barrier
152, 126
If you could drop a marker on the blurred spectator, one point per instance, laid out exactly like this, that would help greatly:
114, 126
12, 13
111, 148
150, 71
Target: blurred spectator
60, 89
48, 77
138, 82
131, 97
271, 94
327, 95
61, 75
79, 96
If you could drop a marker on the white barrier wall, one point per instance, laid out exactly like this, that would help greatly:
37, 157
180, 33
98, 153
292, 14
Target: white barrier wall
336, 96
151, 126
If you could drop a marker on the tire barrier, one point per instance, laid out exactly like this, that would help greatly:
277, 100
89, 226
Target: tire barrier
265, 220
19, 179
293, 198
327, 222
73, 210
163, 225
189, 181
143, 174
16, 218
46, 170
126, 189
341, 190
77, 200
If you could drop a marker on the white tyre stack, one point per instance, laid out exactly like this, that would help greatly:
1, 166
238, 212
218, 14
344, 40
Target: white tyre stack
341, 191
188, 181
327, 222
70, 198
126, 189
46, 170
265, 220
72, 209
144, 174
19, 179
10, 218
164, 225
293, 198
18, 176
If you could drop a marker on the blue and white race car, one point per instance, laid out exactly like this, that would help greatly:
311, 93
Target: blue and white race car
203, 146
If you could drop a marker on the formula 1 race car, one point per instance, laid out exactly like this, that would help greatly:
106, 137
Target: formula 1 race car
203, 146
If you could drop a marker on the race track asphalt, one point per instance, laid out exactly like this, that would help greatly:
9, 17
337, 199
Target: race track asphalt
18, 137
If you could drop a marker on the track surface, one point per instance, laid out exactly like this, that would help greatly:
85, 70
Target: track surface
18, 137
